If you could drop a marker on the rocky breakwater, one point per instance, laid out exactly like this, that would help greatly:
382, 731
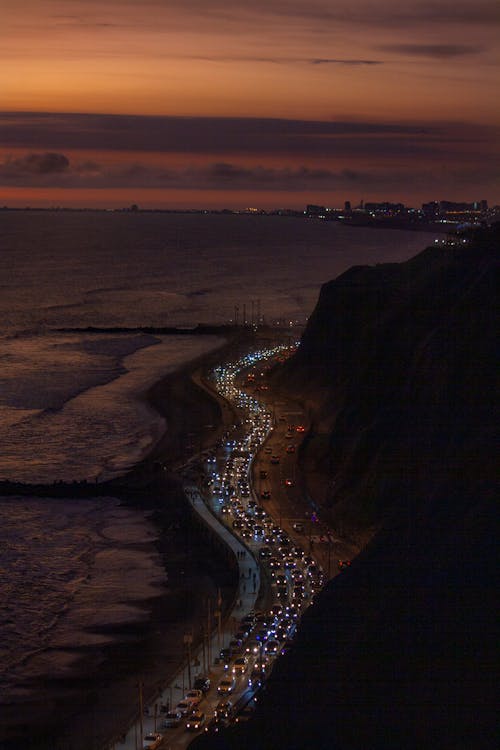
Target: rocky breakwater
398, 367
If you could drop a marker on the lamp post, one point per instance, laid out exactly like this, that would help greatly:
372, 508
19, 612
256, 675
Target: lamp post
188, 639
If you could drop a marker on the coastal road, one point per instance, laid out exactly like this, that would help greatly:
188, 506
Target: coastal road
258, 444
248, 590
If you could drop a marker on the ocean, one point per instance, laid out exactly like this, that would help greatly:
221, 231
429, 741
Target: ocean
72, 406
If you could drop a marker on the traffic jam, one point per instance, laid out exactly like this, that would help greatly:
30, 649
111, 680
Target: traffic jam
258, 637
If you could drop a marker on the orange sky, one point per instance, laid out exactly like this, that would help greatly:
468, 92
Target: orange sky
429, 69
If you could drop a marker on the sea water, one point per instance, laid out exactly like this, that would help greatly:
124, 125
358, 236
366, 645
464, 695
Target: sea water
71, 405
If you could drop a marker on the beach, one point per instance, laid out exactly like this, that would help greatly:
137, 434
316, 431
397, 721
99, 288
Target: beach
84, 712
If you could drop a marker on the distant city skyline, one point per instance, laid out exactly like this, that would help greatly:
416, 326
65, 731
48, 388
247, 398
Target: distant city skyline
275, 104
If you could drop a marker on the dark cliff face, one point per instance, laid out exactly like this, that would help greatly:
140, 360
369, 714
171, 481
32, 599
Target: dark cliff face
404, 359
399, 365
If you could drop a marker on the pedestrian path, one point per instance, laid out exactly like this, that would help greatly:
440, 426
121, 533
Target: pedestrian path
246, 596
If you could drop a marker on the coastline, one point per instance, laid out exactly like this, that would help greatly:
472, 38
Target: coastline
97, 705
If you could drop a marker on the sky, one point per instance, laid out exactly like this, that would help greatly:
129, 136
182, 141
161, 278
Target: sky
261, 103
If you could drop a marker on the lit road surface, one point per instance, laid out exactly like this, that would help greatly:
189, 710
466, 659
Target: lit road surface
268, 537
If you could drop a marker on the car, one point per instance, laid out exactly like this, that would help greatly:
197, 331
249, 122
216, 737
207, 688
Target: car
262, 635
343, 564
226, 686
184, 707
282, 593
268, 449
215, 725
202, 682
223, 710
257, 676
252, 647
275, 459
298, 593
272, 647
298, 527
195, 696
289, 482
172, 719
300, 428
263, 474
235, 646
290, 448
276, 610
265, 495
242, 633
281, 633
152, 741
195, 721
240, 665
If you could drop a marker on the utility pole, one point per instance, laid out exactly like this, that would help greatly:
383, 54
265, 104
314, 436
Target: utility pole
209, 630
141, 715
188, 639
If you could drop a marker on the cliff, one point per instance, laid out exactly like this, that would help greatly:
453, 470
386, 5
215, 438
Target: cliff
399, 367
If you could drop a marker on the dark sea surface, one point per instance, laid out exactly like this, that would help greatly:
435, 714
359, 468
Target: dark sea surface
71, 406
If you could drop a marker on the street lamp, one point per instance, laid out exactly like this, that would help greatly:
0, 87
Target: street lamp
188, 639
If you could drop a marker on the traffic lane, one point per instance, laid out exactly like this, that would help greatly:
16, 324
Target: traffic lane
180, 736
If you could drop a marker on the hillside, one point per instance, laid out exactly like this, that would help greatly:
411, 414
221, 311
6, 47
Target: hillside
399, 367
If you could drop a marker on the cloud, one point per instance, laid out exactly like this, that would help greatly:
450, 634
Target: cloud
35, 165
327, 61
440, 51
226, 136
386, 13
281, 60
218, 175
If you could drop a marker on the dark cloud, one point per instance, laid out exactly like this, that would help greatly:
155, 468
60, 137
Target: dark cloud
226, 136
35, 165
231, 176
385, 13
327, 61
284, 60
213, 176
441, 51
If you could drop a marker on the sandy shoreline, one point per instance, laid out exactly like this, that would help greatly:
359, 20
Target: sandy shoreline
88, 711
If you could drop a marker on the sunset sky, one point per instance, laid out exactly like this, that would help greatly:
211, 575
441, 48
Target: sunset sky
267, 103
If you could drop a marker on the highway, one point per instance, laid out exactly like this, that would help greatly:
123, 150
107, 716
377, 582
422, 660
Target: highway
249, 496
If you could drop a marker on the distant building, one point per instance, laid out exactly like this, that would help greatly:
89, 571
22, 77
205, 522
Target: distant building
385, 208
312, 210
430, 210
